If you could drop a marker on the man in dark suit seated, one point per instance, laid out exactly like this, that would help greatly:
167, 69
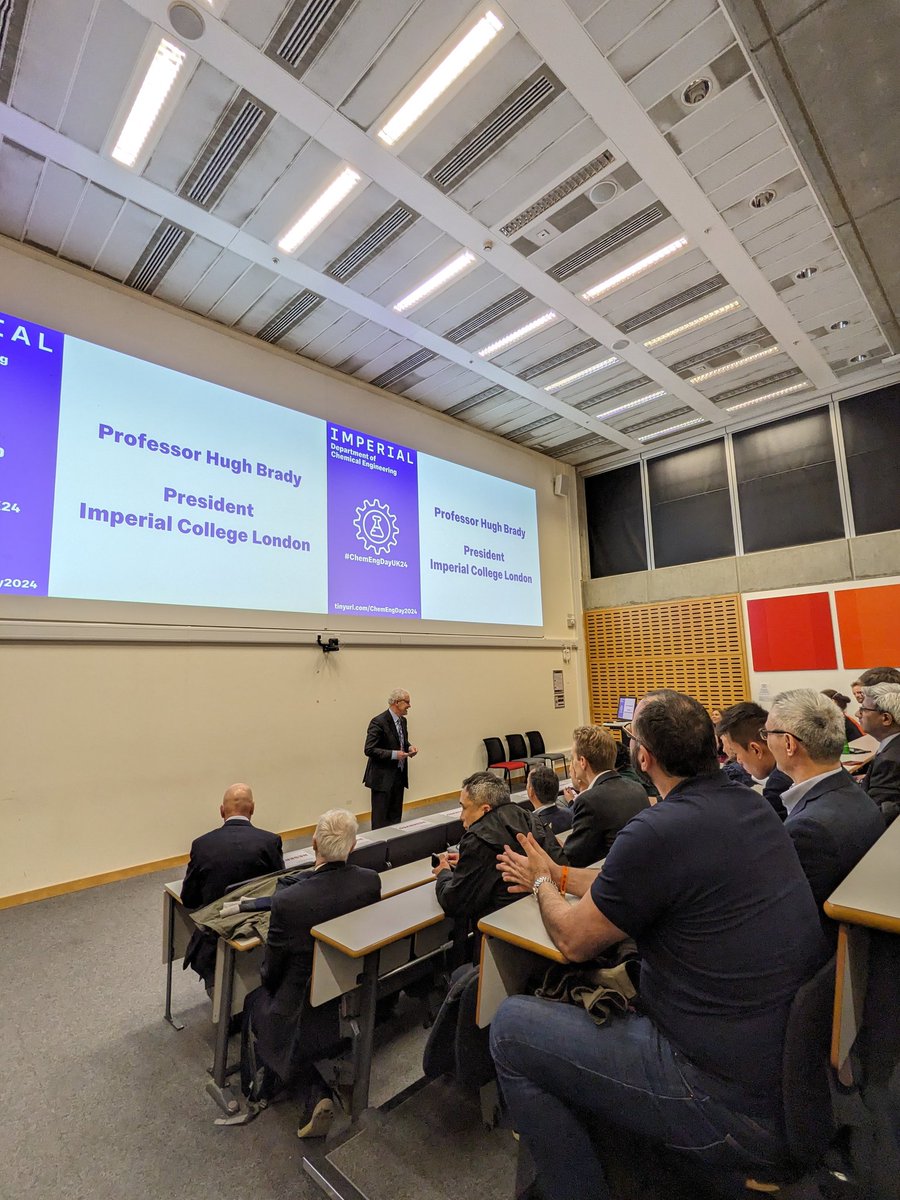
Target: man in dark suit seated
220, 858
879, 714
832, 822
605, 802
542, 789
388, 752
738, 729
286, 1033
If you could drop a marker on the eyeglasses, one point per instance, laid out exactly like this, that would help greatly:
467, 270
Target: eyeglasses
765, 734
862, 708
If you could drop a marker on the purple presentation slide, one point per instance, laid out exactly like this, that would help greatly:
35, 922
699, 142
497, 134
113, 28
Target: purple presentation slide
373, 526
30, 371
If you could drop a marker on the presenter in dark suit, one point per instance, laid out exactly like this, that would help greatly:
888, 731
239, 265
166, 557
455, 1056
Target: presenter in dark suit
234, 852
605, 801
879, 714
831, 820
388, 751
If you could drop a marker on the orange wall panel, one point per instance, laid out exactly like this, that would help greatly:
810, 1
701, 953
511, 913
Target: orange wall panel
869, 626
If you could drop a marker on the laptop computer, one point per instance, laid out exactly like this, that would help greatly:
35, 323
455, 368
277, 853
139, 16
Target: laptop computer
624, 712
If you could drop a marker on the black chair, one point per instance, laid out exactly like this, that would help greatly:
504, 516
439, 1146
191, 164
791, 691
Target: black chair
405, 848
374, 856
539, 750
497, 759
518, 750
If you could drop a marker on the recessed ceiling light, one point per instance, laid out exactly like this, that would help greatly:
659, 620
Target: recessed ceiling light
648, 437
186, 21
579, 375
447, 71
614, 412
858, 358
805, 273
836, 325
158, 83
434, 283
604, 191
518, 335
621, 344
636, 269
712, 315
738, 362
696, 91
763, 199
785, 391
321, 208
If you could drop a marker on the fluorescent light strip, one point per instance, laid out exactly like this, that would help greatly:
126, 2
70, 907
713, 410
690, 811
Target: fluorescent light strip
158, 82
785, 391
439, 280
636, 269
600, 366
614, 412
518, 335
448, 70
648, 437
336, 192
713, 315
732, 366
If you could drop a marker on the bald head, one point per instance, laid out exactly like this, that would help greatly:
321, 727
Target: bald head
237, 801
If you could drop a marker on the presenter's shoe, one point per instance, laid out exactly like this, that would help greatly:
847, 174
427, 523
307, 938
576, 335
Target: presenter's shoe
320, 1121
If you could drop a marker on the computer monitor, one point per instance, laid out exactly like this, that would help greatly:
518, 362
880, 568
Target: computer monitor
626, 708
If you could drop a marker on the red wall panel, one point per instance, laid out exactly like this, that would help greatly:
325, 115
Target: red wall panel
792, 633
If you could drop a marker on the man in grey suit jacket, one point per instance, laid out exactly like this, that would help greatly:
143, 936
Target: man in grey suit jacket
831, 820
879, 715
605, 801
388, 751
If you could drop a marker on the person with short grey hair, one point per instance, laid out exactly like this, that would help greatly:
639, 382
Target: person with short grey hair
879, 714
335, 835
388, 751
832, 822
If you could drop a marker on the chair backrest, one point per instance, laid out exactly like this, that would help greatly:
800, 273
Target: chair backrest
808, 1115
536, 742
495, 751
516, 744
374, 856
405, 848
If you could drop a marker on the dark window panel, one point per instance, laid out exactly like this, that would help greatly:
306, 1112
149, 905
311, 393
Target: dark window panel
615, 522
871, 429
690, 509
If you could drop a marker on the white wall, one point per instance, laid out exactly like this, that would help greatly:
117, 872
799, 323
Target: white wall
116, 753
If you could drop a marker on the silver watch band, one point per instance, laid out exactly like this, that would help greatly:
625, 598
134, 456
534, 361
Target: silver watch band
541, 879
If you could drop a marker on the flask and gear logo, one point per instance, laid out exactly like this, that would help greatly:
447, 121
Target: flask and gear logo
376, 527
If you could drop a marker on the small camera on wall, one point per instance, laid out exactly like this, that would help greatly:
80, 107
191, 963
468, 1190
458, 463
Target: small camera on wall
331, 646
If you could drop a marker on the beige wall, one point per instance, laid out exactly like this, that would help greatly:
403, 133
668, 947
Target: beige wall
115, 752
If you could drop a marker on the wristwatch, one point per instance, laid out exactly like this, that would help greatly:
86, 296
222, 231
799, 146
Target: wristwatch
535, 887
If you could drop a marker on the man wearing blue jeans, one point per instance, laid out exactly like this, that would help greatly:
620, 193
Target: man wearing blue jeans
709, 885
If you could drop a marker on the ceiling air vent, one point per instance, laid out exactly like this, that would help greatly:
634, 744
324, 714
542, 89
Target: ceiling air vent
673, 303
611, 393
162, 251
760, 336
769, 381
601, 246
528, 99
532, 427
557, 194
506, 304
289, 316
375, 239
236, 134
465, 405
404, 368
557, 360
659, 420
582, 443
12, 23
304, 31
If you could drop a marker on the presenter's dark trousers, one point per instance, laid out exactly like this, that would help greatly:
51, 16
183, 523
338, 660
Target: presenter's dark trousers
387, 807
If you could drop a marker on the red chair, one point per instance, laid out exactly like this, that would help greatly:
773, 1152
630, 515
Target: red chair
497, 758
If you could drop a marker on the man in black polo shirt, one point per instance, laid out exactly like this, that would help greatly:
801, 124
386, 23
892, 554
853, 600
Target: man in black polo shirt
709, 885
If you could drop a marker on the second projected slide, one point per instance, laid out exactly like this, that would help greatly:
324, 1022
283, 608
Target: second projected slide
123, 480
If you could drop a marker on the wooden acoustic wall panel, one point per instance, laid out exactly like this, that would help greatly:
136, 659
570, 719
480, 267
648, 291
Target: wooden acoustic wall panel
867, 619
792, 633
693, 646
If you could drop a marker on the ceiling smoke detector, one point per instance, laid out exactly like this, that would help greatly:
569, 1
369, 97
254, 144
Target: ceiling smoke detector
763, 199
604, 191
836, 325
805, 273
858, 358
186, 21
621, 344
696, 92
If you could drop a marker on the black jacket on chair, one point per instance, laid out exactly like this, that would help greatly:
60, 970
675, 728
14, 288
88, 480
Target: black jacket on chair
381, 742
599, 813
331, 891
230, 854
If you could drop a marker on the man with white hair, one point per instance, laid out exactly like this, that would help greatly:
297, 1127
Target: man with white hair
831, 820
388, 751
879, 714
287, 1039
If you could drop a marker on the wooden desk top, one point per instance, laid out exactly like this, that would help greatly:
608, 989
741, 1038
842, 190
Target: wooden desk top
359, 933
870, 895
520, 924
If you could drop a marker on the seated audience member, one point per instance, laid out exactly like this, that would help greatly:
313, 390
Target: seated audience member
832, 822
287, 1038
851, 730
542, 789
220, 858
880, 716
873, 675
605, 802
708, 885
716, 716
856, 689
738, 729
